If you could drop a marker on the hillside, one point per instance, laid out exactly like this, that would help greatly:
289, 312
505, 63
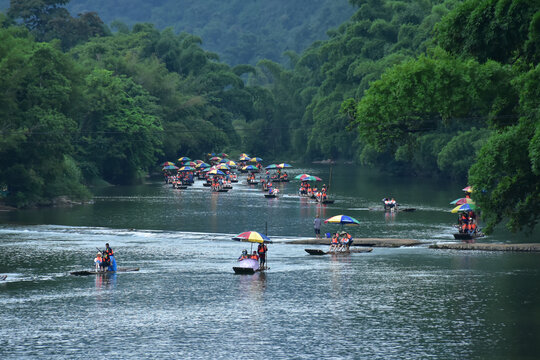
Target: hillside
241, 32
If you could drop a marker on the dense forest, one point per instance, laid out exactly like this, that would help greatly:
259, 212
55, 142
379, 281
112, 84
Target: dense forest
430, 87
241, 32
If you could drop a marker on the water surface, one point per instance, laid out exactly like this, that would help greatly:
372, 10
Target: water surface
186, 302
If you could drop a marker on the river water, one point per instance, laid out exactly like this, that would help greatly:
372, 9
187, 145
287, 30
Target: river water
185, 302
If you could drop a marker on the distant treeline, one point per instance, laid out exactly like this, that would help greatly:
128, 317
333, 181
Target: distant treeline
435, 88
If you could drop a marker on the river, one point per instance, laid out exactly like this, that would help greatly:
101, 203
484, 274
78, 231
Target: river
186, 302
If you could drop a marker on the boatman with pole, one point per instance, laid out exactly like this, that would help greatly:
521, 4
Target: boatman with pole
262, 250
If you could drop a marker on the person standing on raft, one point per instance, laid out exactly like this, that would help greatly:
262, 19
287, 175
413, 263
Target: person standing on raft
262, 250
110, 254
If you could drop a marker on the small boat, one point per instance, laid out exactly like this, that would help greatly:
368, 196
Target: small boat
3, 277
246, 267
350, 251
207, 184
270, 196
94, 272
326, 201
399, 209
252, 182
467, 236
181, 187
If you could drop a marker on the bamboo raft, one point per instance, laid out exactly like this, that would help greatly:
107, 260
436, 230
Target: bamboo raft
94, 272
346, 252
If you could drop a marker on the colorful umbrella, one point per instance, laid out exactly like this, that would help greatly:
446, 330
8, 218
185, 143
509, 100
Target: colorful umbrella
190, 163
216, 172
215, 158
224, 167
167, 163
343, 220
307, 177
184, 158
468, 189
256, 160
231, 163
223, 161
170, 167
186, 168
462, 201
244, 154
199, 161
283, 165
244, 158
223, 155
464, 207
250, 167
203, 165
271, 166
253, 237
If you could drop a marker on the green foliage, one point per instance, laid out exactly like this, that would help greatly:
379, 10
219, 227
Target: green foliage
415, 102
501, 30
39, 86
48, 20
506, 174
242, 32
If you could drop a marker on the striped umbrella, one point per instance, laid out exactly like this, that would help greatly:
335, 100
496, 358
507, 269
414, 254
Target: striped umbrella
216, 172
253, 237
283, 165
462, 201
464, 207
186, 168
307, 177
184, 159
167, 163
343, 220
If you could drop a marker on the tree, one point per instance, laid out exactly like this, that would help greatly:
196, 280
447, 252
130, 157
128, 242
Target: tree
506, 177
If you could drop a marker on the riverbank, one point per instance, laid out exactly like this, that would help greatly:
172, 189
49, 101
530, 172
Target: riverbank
371, 242
529, 247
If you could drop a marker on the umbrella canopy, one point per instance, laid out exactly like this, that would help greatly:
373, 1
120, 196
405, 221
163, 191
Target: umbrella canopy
464, 207
199, 161
186, 168
250, 167
223, 161
216, 172
244, 158
462, 201
231, 163
184, 158
256, 159
283, 165
215, 158
271, 166
342, 219
170, 167
468, 189
167, 163
224, 167
252, 236
244, 154
307, 177
223, 155
190, 163
203, 165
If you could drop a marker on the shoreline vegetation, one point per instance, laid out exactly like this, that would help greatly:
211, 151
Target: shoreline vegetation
446, 88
